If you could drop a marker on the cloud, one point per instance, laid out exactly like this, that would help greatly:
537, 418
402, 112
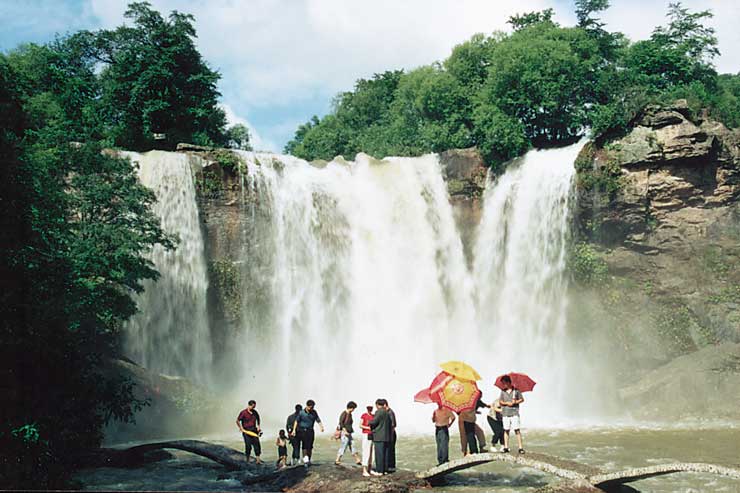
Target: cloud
283, 60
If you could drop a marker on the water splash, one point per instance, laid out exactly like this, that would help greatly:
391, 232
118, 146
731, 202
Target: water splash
170, 333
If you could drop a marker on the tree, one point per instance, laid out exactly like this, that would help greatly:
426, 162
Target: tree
523, 21
156, 88
584, 13
237, 137
545, 77
686, 32
79, 223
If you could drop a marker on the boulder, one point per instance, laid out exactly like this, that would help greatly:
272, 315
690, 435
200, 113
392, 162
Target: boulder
704, 384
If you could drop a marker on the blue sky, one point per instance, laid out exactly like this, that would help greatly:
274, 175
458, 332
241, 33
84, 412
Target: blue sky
284, 60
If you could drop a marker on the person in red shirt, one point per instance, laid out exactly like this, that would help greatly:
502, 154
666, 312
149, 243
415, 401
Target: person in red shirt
248, 422
367, 441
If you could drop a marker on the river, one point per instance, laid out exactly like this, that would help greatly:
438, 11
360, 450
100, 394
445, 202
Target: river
611, 449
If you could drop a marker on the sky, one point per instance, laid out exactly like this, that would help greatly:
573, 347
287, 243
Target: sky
283, 61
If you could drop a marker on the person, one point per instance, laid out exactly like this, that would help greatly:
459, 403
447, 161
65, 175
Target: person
471, 416
282, 445
442, 419
303, 429
345, 433
382, 427
295, 442
467, 432
495, 421
509, 400
392, 443
248, 422
367, 441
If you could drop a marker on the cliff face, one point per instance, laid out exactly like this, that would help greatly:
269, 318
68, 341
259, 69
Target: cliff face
659, 211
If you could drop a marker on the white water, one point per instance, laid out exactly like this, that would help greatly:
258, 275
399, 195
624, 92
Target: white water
356, 286
519, 269
170, 334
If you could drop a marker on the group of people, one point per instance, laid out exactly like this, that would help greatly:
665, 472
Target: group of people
378, 431
378, 436
503, 416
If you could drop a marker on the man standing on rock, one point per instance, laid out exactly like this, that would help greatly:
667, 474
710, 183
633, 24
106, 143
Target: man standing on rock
382, 427
442, 419
392, 443
509, 401
248, 422
303, 429
295, 443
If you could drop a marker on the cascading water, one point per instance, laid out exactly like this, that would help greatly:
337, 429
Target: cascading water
355, 284
519, 269
367, 285
170, 334
362, 288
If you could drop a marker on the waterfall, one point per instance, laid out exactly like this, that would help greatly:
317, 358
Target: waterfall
366, 290
362, 288
355, 284
170, 333
521, 288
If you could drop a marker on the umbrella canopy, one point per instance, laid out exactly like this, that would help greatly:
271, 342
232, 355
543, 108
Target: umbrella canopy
461, 370
429, 395
424, 397
519, 381
457, 395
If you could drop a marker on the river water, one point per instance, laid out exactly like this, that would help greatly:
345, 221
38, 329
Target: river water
612, 449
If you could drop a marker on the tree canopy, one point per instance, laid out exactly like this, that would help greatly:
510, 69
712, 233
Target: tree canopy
77, 223
542, 84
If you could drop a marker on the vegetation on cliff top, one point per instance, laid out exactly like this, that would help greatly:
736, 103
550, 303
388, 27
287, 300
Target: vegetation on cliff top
540, 85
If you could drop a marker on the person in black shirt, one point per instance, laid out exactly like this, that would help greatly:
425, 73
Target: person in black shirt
295, 441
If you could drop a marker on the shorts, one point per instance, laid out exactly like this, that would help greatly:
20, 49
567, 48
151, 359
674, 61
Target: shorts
511, 423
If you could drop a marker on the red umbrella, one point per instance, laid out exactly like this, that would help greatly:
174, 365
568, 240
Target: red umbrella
424, 397
458, 395
519, 381
429, 395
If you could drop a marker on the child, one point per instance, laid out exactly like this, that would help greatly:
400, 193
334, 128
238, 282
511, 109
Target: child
495, 420
282, 445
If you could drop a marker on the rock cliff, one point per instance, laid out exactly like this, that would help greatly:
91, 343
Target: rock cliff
659, 220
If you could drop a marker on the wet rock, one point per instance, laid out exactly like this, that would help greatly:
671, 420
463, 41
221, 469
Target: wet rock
333, 479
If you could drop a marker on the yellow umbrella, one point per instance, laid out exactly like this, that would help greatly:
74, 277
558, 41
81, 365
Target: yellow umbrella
460, 370
459, 395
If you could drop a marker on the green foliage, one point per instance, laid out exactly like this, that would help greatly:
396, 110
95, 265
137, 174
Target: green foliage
237, 137
522, 21
605, 177
586, 266
226, 280
673, 324
154, 81
72, 257
541, 85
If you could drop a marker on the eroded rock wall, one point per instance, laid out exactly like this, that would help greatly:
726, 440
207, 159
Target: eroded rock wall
659, 207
